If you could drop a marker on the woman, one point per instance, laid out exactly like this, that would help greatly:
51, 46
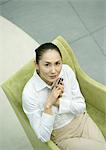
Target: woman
55, 106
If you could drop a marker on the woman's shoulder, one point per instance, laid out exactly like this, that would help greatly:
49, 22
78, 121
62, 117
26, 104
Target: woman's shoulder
67, 71
66, 67
29, 86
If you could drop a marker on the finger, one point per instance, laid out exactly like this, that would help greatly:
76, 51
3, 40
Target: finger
56, 83
60, 87
60, 91
60, 95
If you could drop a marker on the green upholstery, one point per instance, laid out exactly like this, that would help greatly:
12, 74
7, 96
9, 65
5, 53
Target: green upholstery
94, 93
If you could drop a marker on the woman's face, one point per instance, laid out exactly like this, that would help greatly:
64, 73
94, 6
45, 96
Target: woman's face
50, 66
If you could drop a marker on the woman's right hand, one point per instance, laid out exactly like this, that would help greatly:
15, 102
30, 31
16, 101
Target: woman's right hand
56, 92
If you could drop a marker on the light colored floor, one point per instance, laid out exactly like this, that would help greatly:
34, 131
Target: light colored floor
81, 22
13, 55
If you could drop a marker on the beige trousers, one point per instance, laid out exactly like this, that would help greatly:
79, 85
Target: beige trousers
80, 134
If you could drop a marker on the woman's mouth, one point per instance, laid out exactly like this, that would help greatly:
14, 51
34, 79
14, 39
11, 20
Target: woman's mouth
53, 77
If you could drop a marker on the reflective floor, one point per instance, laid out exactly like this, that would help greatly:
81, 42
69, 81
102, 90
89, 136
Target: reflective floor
81, 22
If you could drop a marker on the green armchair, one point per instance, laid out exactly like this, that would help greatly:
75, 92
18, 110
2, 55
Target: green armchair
94, 93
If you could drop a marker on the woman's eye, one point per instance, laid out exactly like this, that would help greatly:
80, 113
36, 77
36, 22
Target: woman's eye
57, 63
46, 64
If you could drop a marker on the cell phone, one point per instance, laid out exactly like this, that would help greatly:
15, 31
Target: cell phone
61, 79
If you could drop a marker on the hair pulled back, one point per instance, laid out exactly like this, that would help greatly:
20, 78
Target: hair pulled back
44, 48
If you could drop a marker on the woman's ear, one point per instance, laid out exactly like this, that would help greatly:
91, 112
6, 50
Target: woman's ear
36, 66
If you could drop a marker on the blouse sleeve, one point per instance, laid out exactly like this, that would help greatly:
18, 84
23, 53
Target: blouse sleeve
41, 122
72, 100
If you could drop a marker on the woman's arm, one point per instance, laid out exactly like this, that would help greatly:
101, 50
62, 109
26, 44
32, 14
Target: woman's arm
72, 99
41, 120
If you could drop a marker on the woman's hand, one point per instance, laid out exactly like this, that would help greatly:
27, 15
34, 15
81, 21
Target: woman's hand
57, 91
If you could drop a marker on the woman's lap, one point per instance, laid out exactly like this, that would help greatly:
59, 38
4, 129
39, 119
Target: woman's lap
81, 134
92, 131
81, 144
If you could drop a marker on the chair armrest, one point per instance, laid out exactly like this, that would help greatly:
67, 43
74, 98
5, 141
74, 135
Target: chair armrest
52, 145
94, 92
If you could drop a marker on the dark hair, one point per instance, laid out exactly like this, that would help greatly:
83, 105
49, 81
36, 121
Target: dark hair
43, 48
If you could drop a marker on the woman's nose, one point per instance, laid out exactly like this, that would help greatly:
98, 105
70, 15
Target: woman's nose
53, 70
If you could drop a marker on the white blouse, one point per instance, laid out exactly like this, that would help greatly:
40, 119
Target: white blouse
35, 95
